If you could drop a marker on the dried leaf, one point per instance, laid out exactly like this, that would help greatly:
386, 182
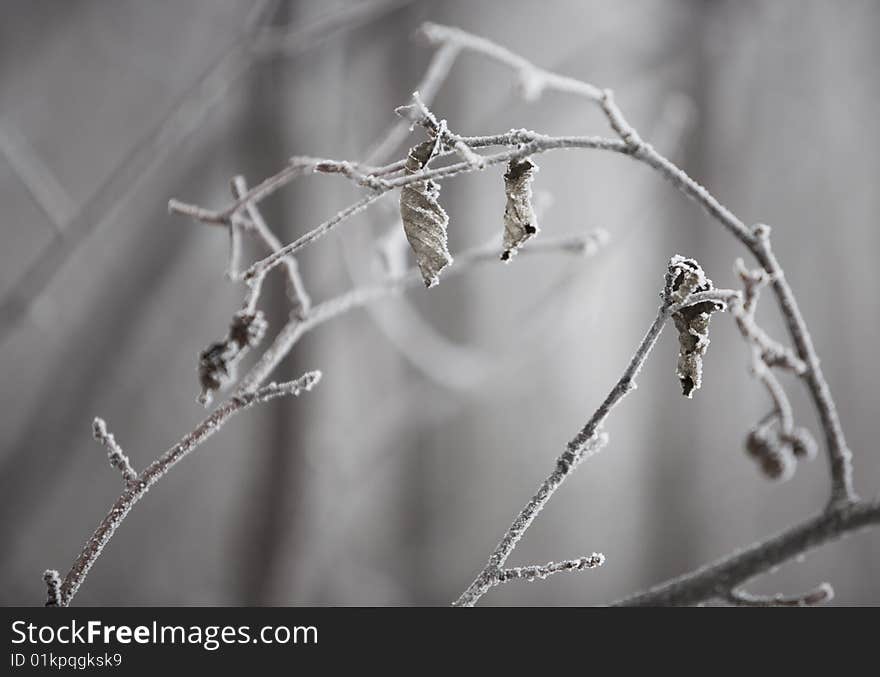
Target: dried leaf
424, 220
686, 277
520, 220
218, 361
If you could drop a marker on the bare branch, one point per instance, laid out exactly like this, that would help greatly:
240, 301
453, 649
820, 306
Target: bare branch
716, 579
565, 465
136, 490
249, 391
842, 490
296, 290
542, 571
266, 264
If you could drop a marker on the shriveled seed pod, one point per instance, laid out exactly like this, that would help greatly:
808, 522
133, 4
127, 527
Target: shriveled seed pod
520, 220
775, 458
686, 277
217, 362
802, 443
424, 220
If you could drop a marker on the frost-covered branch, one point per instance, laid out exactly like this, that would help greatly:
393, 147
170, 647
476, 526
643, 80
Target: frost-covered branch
117, 457
491, 574
296, 289
542, 571
689, 299
249, 391
677, 295
154, 472
716, 580
535, 80
757, 240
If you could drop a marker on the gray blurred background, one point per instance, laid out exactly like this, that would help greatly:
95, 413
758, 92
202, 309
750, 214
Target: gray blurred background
440, 413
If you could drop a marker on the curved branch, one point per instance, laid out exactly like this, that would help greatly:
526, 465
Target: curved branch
716, 579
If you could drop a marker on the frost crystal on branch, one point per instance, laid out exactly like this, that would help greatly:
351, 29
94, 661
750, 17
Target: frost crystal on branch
686, 277
520, 220
424, 220
536, 571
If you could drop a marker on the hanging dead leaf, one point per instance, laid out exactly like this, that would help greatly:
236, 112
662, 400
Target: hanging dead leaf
217, 362
520, 220
686, 277
424, 220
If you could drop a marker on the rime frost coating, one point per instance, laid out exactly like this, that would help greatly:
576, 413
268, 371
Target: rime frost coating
686, 277
520, 220
424, 220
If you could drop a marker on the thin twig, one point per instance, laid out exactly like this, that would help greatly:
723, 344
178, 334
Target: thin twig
542, 571
296, 289
136, 490
565, 465
117, 457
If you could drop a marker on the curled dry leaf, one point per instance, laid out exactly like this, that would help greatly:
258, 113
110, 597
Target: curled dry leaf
424, 220
686, 277
217, 362
520, 220
52, 579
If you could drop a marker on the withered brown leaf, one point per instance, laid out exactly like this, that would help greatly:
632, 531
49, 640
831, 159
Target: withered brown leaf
424, 220
520, 220
686, 277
